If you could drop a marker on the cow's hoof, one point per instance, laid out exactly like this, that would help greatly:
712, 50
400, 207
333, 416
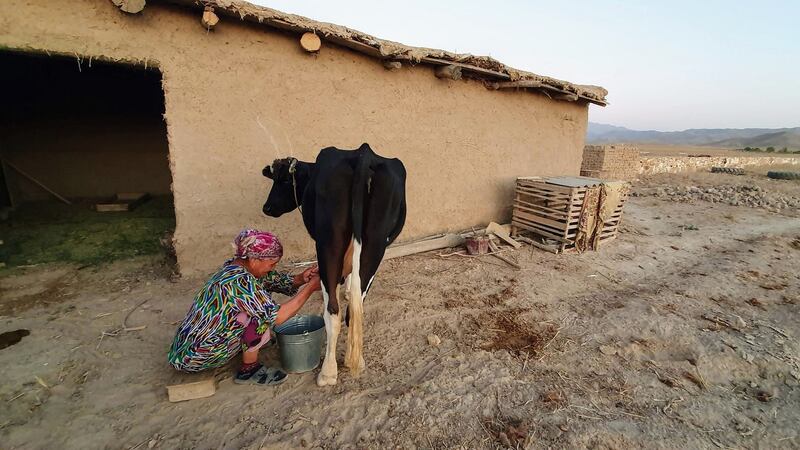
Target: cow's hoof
326, 380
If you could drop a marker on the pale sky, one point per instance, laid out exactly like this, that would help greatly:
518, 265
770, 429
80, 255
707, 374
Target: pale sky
667, 65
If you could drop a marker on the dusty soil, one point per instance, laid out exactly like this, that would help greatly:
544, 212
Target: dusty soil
680, 334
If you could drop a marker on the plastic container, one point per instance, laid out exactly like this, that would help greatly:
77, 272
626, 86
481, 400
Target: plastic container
300, 342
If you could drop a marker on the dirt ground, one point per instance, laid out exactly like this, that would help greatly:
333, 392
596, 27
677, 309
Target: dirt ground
680, 334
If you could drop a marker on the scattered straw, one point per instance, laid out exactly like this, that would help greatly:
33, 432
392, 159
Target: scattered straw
41, 381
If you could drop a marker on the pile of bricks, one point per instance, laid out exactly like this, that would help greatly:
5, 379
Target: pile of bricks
611, 162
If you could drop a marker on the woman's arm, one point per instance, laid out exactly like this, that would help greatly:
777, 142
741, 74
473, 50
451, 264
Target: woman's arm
279, 282
291, 307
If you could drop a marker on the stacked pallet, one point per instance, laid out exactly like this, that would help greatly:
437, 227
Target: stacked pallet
555, 209
611, 162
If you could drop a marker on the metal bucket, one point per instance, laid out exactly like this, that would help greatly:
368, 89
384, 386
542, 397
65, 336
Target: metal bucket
300, 342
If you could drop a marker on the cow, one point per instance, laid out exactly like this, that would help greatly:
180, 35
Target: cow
353, 205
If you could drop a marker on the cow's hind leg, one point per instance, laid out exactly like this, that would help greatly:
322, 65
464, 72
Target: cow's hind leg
383, 220
329, 373
353, 357
347, 291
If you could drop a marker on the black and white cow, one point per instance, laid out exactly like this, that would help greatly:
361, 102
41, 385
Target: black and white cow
353, 204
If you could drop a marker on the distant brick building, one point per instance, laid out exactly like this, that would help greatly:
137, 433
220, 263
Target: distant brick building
612, 162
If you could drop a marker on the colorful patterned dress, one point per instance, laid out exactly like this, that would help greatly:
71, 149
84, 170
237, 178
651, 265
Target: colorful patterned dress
210, 335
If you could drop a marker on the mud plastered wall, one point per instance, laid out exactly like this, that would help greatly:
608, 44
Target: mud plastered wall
242, 95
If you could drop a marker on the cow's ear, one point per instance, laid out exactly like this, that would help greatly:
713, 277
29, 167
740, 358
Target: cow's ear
267, 172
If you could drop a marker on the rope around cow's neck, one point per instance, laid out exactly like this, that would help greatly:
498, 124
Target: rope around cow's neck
293, 170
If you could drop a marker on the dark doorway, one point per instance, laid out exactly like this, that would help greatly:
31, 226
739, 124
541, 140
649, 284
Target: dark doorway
73, 134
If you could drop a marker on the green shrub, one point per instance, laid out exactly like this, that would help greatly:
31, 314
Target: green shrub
770, 149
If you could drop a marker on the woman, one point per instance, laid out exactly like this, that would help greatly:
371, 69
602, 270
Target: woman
234, 310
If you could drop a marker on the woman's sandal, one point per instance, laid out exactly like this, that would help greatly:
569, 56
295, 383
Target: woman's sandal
264, 376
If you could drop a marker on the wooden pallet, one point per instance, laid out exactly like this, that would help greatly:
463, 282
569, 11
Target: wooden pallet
551, 209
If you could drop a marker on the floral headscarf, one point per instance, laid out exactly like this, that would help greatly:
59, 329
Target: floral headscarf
255, 244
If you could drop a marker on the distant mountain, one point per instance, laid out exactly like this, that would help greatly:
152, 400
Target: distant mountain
599, 133
779, 140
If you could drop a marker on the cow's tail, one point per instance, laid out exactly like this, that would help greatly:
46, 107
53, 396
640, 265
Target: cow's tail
355, 335
359, 190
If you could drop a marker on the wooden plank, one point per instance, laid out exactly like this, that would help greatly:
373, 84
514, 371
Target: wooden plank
521, 84
545, 247
524, 217
446, 241
498, 231
541, 187
574, 181
546, 187
494, 249
539, 211
544, 221
543, 194
563, 212
467, 67
549, 187
552, 200
543, 190
37, 182
127, 201
532, 218
111, 207
513, 231
191, 391
534, 228
535, 210
566, 232
353, 45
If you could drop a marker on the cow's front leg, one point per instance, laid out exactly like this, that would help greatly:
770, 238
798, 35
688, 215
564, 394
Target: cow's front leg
333, 323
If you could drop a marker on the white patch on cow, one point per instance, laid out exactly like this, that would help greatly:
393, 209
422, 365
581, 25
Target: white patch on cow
328, 375
347, 287
369, 285
353, 357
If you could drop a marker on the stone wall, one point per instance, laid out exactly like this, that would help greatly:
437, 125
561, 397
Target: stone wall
612, 162
674, 164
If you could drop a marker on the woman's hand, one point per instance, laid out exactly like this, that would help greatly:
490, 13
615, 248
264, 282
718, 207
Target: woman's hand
310, 273
291, 307
314, 283
306, 275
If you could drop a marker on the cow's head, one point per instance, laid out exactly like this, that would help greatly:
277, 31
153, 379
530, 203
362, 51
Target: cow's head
289, 179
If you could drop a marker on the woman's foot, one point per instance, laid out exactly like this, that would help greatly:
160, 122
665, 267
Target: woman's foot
246, 372
260, 375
